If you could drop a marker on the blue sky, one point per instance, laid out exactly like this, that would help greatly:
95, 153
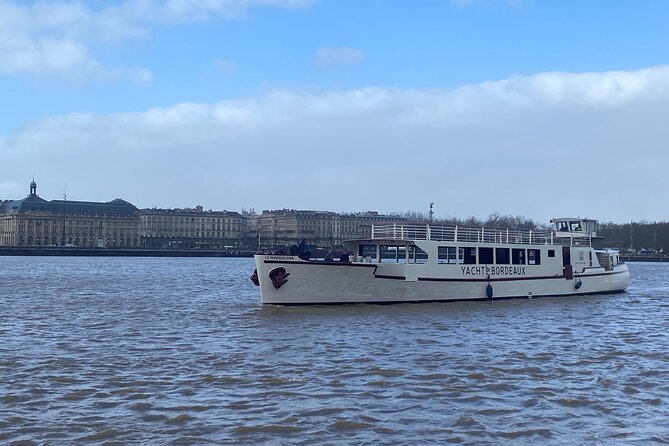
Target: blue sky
172, 93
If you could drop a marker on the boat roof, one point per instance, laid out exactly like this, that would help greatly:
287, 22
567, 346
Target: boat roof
557, 220
402, 234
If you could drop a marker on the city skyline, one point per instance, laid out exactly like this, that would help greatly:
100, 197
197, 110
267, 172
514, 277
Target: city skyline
516, 107
418, 214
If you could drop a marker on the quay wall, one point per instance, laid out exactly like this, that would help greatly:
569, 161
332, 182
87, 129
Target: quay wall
645, 258
116, 252
149, 252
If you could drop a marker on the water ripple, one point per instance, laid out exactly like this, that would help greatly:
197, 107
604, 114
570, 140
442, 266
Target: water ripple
179, 351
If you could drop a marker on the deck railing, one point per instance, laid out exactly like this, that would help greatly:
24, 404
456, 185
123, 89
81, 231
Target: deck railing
441, 233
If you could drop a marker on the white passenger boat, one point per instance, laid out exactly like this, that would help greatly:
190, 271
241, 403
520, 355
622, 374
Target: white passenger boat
428, 262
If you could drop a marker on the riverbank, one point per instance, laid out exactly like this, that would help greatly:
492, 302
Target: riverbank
117, 252
149, 252
645, 258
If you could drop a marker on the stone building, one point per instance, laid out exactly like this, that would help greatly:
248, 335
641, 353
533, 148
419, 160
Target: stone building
280, 228
191, 229
277, 229
358, 225
34, 221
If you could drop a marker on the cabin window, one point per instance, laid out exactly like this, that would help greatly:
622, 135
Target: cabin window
551, 253
485, 256
367, 251
502, 256
518, 256
447, 254
417, 255
468, 256
534, 257
575, 226
392, 254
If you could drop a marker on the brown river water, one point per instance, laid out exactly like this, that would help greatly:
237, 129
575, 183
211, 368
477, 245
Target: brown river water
180, 351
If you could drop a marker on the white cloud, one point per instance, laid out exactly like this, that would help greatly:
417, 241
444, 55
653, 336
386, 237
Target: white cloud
590, 144
65, 59
339, 57
53, 40
181, 11
58, 39
226, 67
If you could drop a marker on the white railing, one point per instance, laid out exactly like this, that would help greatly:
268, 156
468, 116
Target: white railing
441, 233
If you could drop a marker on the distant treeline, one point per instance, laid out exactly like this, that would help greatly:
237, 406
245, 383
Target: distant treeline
645, 237
642, 236
493, 221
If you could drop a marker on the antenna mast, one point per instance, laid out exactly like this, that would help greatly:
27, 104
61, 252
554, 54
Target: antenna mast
62, 243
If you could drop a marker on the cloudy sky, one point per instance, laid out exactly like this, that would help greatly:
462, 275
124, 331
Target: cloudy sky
525, 107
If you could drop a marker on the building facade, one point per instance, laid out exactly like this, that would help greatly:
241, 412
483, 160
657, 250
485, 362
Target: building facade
192, 229
358, 225
277, 229
34, 221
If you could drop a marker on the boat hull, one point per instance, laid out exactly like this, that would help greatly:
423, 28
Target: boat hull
286, 280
